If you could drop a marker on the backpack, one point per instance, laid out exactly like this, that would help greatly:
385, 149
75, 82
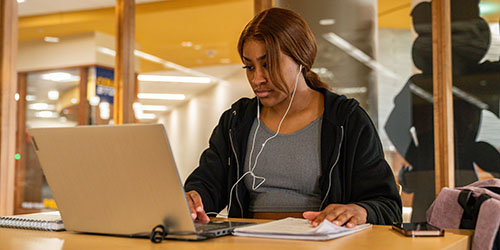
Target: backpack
475, 206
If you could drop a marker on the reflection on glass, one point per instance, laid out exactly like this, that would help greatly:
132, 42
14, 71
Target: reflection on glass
476, 89
51, 101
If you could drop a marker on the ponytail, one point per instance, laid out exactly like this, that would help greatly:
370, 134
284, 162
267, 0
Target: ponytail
313, 81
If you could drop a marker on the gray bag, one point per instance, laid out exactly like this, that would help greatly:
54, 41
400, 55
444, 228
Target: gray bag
475, 206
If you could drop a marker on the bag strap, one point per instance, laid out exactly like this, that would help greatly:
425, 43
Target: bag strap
493, 189
471, 206
466, 201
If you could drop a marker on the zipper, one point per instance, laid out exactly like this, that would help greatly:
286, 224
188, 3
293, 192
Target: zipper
237, 170
331, 169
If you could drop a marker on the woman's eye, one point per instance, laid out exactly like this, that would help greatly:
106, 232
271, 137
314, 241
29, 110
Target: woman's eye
248, 67
264, 65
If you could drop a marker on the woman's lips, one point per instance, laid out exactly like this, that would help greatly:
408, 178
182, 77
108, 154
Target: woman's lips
262, 93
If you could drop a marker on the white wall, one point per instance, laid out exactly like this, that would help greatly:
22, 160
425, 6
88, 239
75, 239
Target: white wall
190, 125
70, 51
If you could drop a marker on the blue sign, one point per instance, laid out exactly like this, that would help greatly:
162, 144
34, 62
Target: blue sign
104, 84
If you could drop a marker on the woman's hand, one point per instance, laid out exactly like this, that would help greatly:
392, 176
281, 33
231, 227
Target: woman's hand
196, 207
339, 214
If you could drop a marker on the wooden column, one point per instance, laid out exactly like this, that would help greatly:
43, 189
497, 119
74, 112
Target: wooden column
83, 105
124, 62
443, 96
260, 5
21, 144
8, 85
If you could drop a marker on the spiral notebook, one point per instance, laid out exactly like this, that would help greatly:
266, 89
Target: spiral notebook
46, 221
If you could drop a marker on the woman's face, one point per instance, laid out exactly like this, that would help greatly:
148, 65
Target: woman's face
255, 60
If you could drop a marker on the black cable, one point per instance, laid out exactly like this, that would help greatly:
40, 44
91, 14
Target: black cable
158, 234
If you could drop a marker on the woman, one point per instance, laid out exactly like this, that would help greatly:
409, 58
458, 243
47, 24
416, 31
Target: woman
296, 149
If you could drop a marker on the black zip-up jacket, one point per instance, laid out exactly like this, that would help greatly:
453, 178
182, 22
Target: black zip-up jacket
352, 162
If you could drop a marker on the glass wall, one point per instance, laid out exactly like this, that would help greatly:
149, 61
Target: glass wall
51, 100
56, 58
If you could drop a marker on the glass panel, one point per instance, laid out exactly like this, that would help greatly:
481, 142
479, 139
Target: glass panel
57, 44
476, 89
189, 69
52, 99
368, 56
400, 108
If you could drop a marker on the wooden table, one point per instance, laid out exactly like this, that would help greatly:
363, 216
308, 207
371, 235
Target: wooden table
377, 237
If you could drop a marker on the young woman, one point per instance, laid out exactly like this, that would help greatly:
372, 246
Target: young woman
296, 149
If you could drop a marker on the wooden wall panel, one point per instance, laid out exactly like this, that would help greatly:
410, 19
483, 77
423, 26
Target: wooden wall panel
124, 62
443, 96
83, 105
8, 109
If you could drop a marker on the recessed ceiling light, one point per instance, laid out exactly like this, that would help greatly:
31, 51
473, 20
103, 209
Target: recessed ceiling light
53, 95
51, 39
156, 96
46, 114
41, 106
21, 1
327, 21
146, 116
150, 107
185, 79
74, 100
187, 44
60, 77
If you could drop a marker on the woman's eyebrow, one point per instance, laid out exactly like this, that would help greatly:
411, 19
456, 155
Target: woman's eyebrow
260, 58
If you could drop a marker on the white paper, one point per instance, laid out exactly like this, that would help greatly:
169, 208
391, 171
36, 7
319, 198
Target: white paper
300, 229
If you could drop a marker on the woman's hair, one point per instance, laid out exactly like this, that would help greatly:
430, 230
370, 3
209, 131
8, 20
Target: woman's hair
284, 30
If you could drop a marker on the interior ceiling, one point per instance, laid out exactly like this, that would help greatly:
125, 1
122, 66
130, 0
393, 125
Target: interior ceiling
210, 27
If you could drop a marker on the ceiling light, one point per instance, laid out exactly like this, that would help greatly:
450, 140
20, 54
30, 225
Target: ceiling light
16, 97
53, 95
104, 110
74, 100
161, 96
46, 114
187, 44
146, 116
51, 39
21, 1
94, 100
156, 59
30, 98
327, 21
41, 106
60, 77
150, 107
106, 51
185, 79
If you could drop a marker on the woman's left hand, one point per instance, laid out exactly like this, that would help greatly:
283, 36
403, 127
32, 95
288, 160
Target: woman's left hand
339, 214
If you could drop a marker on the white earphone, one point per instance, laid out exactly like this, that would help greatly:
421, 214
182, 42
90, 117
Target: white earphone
250, 167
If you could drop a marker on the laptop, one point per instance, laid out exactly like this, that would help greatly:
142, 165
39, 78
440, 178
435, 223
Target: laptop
118, 180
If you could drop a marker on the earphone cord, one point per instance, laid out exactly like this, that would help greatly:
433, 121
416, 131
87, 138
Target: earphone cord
250, 171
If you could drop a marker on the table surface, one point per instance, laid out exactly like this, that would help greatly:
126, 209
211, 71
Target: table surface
377, 237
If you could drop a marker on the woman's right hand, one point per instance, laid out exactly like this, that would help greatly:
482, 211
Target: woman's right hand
196, 207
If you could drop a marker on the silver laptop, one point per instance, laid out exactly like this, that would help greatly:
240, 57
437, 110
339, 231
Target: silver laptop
119, 180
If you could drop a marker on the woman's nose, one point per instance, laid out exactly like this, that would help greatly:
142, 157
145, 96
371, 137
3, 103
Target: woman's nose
259, 76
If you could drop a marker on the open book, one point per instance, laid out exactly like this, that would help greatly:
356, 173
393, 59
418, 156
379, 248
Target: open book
298, 229
48, 221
